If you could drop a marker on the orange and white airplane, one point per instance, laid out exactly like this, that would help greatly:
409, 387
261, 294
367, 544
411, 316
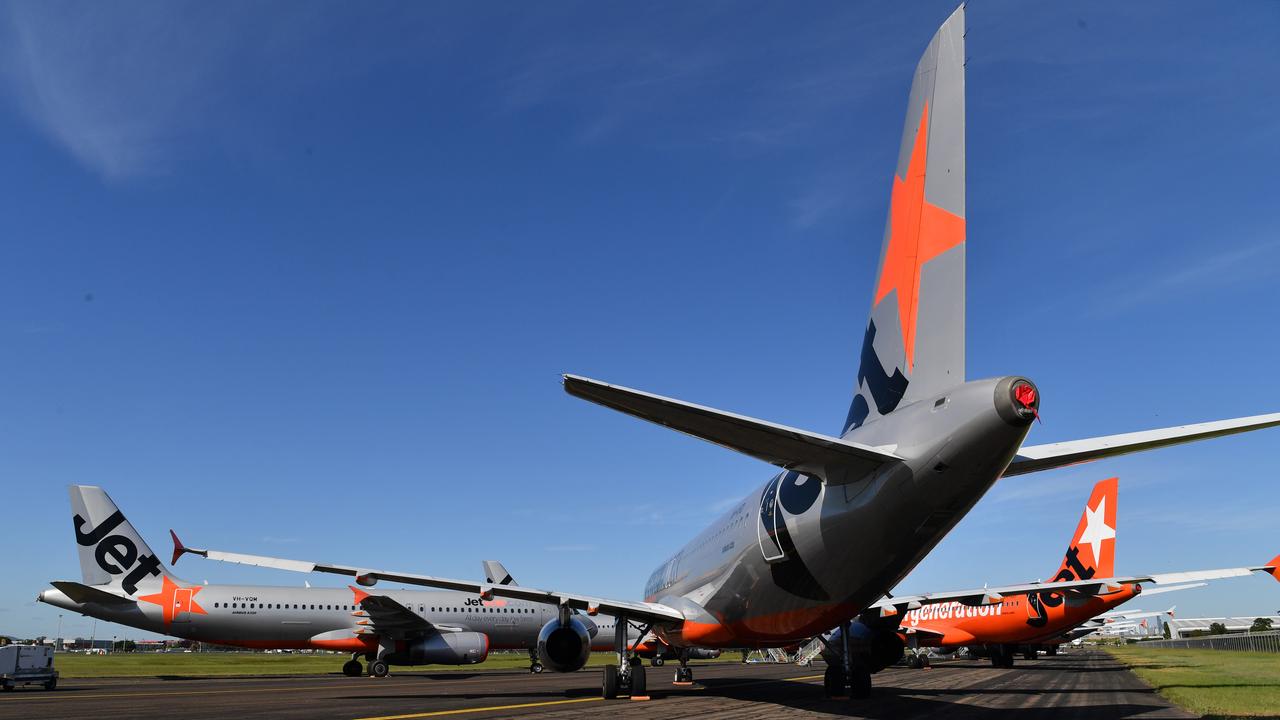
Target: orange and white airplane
1033, 620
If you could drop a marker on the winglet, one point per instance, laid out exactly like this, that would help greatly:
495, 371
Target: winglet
178, 547
1274, 566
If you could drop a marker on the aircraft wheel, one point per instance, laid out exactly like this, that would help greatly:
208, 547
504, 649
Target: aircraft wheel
352, 668
51, 684
535, 668
635, 661
6, 687
860, 686
657, 662
996, 660
610, 682
378, 669
639, 683
1029, 654
924, 661
913, 661
833, 682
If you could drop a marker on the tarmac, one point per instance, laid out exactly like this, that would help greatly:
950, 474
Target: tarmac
1078, 685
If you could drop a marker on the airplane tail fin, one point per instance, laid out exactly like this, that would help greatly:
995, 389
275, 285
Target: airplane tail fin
1275, 568
1092, 552
914, 342
112, 553
495, 573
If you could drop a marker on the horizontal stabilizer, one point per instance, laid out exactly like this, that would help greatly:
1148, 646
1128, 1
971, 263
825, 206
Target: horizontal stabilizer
81, 593
1034, 458
831, 459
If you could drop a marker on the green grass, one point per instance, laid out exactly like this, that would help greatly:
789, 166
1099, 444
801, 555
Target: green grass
1215, 683
214, 664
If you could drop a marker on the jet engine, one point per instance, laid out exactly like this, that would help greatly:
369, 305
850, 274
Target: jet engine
463, 648
873, 648
565, 646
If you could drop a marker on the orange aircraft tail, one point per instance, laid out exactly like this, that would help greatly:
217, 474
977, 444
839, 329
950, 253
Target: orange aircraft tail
1092, 552
1275, 567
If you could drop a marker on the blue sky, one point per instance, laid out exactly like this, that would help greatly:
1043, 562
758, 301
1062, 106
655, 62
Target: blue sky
300, 279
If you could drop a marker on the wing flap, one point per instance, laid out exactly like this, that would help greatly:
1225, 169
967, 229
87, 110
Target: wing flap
831, 459
1034, 458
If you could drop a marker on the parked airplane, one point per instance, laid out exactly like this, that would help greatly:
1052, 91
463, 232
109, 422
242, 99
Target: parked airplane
125, 582
1045, 619
849, 516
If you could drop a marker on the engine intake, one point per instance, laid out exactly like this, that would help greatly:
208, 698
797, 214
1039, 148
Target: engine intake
564, 647
464, 648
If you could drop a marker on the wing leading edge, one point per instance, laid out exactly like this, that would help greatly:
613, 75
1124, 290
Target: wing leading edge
833, 460
649, 612
1034, 458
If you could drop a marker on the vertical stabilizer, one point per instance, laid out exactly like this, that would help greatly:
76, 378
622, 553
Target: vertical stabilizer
913, 345
1092, 551
112, 553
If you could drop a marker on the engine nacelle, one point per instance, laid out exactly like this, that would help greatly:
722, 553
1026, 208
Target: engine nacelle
463, 648
564, 647
873, 649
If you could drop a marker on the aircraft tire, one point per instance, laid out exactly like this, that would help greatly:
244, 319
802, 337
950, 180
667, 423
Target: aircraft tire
610, 684
639, 683
51, 684
924, 661
913, 661
657, 662
535, 668
860, 685
378, 669
833, 682
352, 668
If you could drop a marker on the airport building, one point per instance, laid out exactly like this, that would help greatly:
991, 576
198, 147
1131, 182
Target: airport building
1190, 627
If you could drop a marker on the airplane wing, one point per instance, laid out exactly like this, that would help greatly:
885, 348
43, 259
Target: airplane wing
833, 460
1173, 588
644, 611
1092, 586
82, 593
1033, 458
389, 616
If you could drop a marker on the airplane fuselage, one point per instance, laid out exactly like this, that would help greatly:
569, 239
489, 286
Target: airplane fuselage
798, 555
1024, 619
257, 616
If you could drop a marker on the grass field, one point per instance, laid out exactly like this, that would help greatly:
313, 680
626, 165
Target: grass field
233, 663
1214, 683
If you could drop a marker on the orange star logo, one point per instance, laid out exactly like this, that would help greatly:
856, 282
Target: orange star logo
918, 232
174, 599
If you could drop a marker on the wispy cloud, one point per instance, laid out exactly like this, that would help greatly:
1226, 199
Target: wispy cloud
1222, 267
278, 540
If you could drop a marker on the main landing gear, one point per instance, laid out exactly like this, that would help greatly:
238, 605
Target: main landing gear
684, 673
1002, 656
843, 678
628, 676
916, 661
535, 665
353, 668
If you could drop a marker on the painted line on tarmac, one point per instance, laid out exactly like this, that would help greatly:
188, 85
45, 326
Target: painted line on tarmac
494, 708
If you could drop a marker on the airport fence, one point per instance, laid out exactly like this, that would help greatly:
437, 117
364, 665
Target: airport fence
1252, 641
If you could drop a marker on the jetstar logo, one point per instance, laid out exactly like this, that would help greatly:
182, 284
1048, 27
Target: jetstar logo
116, 554
174, 600
1041, 601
